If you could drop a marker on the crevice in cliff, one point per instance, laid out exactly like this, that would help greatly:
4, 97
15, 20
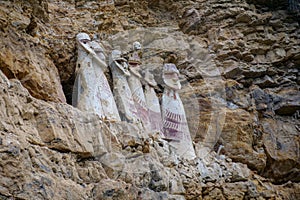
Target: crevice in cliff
68, 89
230, 41
6, 70
80, 157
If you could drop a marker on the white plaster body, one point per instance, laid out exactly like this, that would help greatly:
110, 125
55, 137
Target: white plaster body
175, 126
108, 104
136, 87
109, 107
122, 94
87, 88
139, 100
154, 109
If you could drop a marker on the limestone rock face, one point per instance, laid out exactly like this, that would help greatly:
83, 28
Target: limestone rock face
25, 57
39, 144
239, 70
257, 57
281, 147
238, 138
44, 123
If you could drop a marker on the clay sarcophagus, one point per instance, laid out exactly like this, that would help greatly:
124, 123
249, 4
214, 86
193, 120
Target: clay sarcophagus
175, 127
105, 94
153, 105
91, 90
84, 91
135, 85
121, 90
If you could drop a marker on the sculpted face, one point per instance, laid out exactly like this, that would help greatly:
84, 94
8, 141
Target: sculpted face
83, 38
134, 60
98, 50
135, 57
116, 57
171, 76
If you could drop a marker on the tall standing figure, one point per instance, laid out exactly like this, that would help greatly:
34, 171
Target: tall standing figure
86, 87
109, 107
136, 87
152, 103
121, 90
175, 127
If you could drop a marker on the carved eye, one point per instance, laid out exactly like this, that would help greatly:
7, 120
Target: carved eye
84, 41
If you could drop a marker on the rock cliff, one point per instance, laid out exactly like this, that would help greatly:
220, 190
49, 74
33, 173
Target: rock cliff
239, 64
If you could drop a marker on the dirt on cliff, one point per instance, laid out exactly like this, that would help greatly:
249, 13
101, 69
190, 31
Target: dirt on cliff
239, 67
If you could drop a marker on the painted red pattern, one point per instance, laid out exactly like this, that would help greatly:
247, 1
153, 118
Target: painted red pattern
174, 125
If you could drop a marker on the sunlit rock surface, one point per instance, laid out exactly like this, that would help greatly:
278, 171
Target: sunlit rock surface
239, 65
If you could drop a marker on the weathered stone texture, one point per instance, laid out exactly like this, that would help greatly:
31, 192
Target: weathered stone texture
239, 65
